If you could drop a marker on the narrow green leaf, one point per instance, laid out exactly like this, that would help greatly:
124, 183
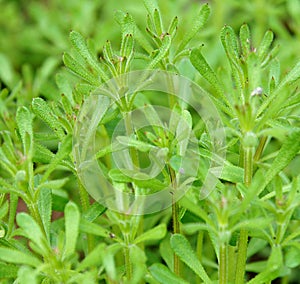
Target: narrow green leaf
18, 257
150, 5
173, 26
287, 152
183, 249
24, 123
94, 229
131, 142
155, 233
94, 258
32, 231
94, 211
45, 209
265, 45
81, 47
229, 173
278, 97
44, 112
198, 22
245, 38
163, 50
163, 275
205, 70
72, 220
158, 22
27, 275
80, 70
63, 152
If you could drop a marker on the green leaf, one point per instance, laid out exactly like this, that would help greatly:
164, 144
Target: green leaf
8, 270
33, 231
183, 249
24, 123
278, 97
45, 209
198, 22
80, 70
72, 219
158, 22
173, 26
94, 229
155, 233
94, 258
94, 211
287, 152
81, 47
18, 257
229, 173
292, 257
265, 45
138, 259
44, 112
163, 275
205, 70
131, 142
245, 38
163, 50
63, 152
27, 275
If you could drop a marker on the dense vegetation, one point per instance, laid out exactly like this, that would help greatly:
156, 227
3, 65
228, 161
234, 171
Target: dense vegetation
242, 227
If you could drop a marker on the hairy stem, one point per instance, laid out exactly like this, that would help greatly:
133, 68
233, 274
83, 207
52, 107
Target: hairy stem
243, 239
223, 268
175, 219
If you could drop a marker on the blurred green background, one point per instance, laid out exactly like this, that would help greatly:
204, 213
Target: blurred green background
33, 31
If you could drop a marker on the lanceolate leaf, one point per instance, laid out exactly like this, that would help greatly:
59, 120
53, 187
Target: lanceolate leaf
16, 256
166, 43
79, 69
45, 209
24, 122
72, 218
163, 275
198, 22
205, 70
156, 233
81, 47
44, 112
33, 231
183, 249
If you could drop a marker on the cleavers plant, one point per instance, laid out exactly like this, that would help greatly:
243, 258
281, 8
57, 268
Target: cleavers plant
245, 231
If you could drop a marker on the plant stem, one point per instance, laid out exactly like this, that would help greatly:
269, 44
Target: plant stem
248, 165
243, 239
175, 220
260, 148
199, 249
128, 264
241, 257
223, 275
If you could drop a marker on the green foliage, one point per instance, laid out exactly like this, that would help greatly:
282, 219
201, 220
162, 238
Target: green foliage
244, 231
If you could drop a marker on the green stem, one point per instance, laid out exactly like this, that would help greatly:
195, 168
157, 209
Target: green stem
223, 269
241, 257
13, 199
175, 220
199, 250
128, 264
248, 165
243, 239
260, 148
